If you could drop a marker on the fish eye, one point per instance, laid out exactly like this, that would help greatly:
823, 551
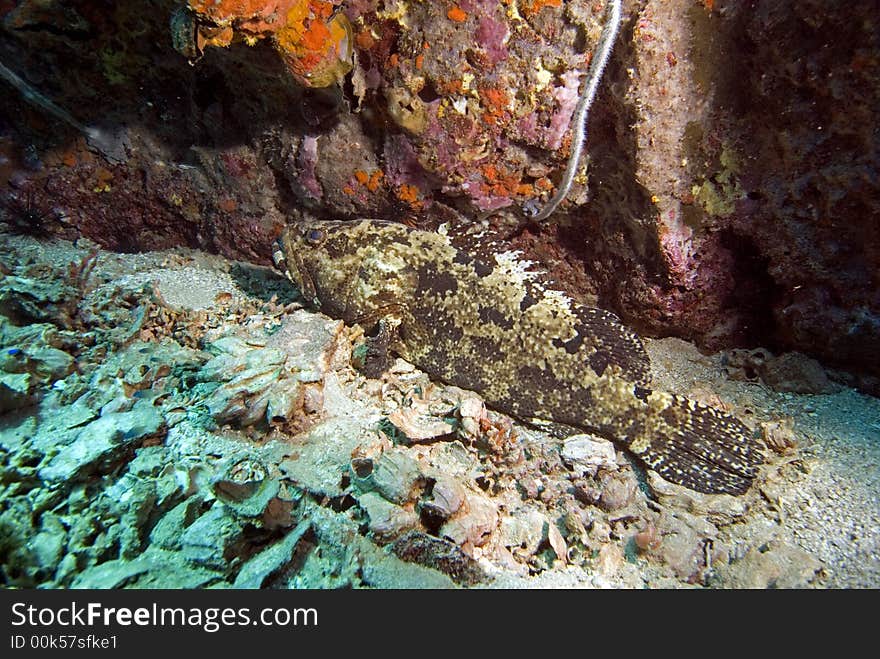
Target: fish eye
314, 236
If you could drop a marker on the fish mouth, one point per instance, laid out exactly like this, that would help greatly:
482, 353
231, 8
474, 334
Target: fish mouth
285, 254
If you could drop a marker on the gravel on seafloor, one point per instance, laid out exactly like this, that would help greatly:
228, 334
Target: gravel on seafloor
238, 447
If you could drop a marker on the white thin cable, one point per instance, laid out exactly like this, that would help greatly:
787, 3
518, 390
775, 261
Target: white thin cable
579, 119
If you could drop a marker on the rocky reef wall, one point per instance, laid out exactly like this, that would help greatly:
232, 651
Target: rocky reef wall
730, 191
754, 140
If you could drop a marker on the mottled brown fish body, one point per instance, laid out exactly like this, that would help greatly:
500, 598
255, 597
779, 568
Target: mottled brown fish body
485, 320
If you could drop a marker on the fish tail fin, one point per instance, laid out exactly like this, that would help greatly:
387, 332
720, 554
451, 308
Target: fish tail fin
697, 446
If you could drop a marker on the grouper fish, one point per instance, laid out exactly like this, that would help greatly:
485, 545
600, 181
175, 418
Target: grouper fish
487, 320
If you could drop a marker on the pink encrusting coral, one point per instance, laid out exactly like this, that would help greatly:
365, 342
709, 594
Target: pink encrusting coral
449, 78
492, 36
306, 161
676, 243
566, 97
700, 278
402, 167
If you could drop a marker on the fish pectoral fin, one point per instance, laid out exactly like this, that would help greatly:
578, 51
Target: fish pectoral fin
373, 356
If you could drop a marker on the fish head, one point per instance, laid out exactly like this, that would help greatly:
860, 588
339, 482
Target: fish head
359, 270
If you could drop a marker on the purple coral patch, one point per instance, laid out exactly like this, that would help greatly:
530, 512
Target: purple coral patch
566, 98
491, 35
402, 166
306, 161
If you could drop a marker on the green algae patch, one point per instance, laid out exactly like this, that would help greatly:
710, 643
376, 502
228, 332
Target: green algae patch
718, 194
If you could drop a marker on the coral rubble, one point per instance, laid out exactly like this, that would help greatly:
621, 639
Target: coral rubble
245, 454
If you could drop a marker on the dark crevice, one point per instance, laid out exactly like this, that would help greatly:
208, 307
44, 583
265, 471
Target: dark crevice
754, 294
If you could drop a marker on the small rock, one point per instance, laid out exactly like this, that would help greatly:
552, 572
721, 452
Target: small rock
557, 542
48, 545
610, 560
169, 571
453, 459
745, 365
618, 489
78, 414
155, 568
136, 371
279, 512
648, 539
87, 541
67, 570
137, 503
586, 490
260, 567
523, 531
796, 373
148, 461
241, 397
168, 531
169, 486
111, 574
49, 364
334, 401
587, 454
27, 301
573, 521
445, 499
44, 363
263, 378
78, 499
14, 433
387, 520
15, 391
206, 540
721, 506
600, 531
779, 436
419, 427
103, 441
474, 524
314, 344
472, 413
683, 542
395, 475
319, 458
246, 487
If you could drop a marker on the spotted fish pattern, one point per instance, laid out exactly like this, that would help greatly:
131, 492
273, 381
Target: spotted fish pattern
483, 318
